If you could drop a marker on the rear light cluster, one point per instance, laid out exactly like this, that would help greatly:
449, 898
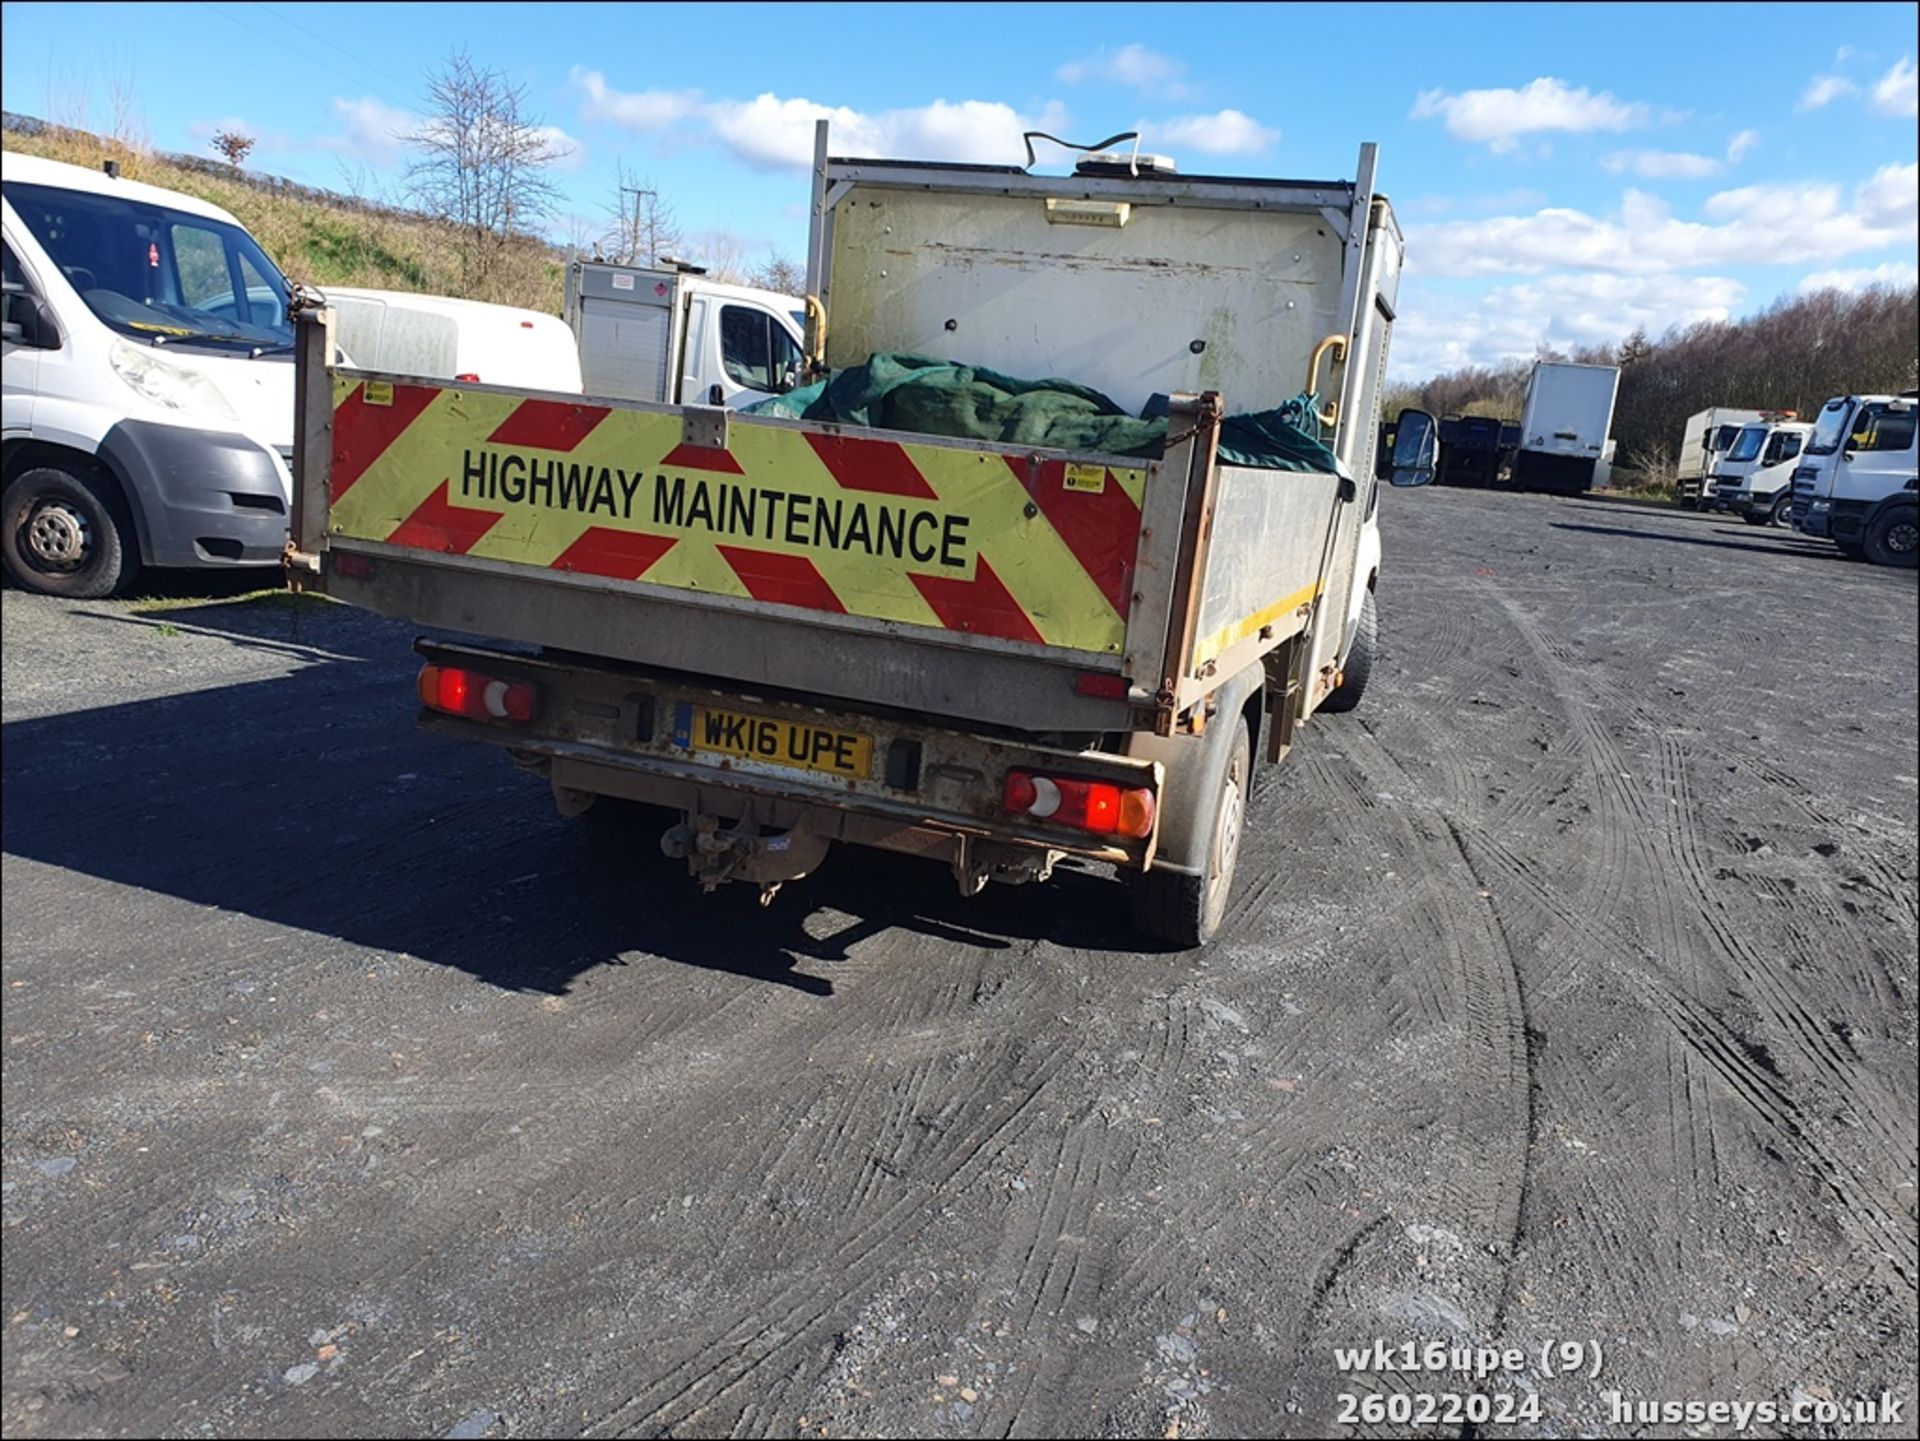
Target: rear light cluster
1097, 806
477, 695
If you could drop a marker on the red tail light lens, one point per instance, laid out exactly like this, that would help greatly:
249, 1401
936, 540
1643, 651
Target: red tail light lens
1098, 806
476, 695
468, 376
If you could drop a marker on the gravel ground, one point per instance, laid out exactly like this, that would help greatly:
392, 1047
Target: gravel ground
1568, 998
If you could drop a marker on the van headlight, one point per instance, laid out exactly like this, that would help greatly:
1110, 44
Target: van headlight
168, 383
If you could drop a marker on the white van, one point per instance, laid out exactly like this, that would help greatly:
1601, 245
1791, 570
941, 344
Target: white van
148, 366
400, 333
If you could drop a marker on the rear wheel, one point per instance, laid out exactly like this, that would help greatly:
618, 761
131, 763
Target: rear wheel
1359, 665
1186, 910
64, 534
1894, 537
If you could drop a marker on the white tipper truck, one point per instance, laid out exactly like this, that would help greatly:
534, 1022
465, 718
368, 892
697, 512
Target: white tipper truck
986, 653
1564, 424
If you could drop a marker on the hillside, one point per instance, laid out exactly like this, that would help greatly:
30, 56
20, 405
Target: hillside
313, 235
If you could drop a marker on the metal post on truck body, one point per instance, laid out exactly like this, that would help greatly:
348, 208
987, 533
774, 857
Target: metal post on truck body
1196, 447
312, 427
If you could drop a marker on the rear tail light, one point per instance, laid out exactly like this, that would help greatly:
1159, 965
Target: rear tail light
468, 376
1098, 806
476, 695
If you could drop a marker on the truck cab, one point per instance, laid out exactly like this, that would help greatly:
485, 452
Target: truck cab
1754, 480
1856, 485
668, 335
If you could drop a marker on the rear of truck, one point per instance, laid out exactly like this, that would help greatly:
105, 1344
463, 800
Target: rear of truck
792, 633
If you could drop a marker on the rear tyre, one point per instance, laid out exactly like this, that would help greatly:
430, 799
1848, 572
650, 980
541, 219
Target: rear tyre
1894, 537
1185, 910
66, 534
1359, 666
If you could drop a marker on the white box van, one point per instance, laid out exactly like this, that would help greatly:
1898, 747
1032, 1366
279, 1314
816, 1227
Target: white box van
437, 336
148, 366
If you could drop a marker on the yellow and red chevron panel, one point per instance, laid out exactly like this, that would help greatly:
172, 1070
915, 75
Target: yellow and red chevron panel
975, 541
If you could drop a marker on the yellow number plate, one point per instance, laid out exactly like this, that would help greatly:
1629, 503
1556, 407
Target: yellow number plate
797, 744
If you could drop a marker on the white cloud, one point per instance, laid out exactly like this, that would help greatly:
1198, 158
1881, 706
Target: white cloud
1498, 118
564, 151
1824, 90
1147, 71
1899, 273
774, 132
1661, 164
1770, 224
1740, 145
373, 131
651, 110
1898, 91
1561, 312
1228, 132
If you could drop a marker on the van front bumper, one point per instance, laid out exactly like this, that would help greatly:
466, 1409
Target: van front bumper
199, 497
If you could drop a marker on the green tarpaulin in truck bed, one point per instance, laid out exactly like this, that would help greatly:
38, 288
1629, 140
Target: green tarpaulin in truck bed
925, 396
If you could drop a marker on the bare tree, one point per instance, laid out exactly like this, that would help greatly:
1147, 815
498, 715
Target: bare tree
233, 146
643, 227
724, 255
482, 166
781, 274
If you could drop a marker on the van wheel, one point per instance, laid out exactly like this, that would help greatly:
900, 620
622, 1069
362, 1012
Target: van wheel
1894, 537
66, 534
1187, 910
1359, 664
1782, 513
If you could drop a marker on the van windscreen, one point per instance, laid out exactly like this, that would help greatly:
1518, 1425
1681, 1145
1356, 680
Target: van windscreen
159, 274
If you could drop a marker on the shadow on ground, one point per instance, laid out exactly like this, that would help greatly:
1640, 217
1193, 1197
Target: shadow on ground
311, 800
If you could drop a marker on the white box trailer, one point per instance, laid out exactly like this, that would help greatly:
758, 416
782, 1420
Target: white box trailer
1564, 426
983, 651
1708, 436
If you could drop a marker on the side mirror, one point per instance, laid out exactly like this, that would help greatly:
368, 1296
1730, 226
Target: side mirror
1416, 449
28, 321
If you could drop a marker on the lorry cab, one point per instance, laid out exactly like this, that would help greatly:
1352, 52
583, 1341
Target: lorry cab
1754, 479
1857, 482
148, 363
669, 335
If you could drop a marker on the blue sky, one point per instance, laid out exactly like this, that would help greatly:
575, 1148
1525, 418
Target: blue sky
1564, 172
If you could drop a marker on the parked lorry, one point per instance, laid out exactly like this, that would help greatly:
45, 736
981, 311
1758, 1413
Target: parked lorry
1754, 477
990, 653
1564, 423
399, 332
669, 335
1708, 436
148, 383
1856, 483
1469, 450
